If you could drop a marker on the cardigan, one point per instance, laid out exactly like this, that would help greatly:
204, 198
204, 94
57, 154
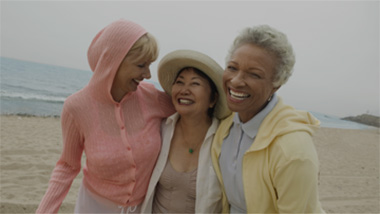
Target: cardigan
121, 140
208, 189
280, 169
240, 138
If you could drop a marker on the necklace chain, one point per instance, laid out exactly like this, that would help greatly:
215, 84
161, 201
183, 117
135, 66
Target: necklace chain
191, 150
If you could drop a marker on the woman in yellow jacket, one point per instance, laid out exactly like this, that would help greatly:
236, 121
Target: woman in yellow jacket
263, 154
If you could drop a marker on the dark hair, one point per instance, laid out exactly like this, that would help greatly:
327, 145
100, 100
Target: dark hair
214, 91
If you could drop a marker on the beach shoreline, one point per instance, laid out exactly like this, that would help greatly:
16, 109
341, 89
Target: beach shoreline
30, 147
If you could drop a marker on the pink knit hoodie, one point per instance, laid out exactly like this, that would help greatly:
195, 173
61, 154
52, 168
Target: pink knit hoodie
121, 140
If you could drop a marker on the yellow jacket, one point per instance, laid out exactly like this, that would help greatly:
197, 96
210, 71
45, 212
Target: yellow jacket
280, 169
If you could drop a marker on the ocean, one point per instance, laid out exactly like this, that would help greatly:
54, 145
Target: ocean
29, 88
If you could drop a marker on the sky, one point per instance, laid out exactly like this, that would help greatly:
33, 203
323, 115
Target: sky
336, 42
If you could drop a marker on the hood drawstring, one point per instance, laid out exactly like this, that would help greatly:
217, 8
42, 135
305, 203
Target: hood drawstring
129, 209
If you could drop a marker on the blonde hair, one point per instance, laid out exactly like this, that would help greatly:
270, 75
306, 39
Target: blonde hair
145, 47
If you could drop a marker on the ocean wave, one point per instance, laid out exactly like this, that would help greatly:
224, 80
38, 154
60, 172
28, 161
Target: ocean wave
36, 97
331, 121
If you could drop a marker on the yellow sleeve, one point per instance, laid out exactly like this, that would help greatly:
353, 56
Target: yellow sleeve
295, 174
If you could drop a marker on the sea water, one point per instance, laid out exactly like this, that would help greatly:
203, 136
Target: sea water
29, 88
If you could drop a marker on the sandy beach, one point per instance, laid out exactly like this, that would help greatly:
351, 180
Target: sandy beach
30, 147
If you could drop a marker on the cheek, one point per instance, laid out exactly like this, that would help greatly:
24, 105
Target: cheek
174, 100
174, 90
206, 96
174, 93
123, 74
224, 81
224, 77
265, 90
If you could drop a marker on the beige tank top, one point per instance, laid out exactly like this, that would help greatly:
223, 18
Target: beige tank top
175, 191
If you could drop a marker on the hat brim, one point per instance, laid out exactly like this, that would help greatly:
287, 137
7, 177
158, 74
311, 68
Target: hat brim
173, 62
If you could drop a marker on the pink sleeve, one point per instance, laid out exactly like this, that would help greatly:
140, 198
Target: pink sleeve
165, 103
67, 167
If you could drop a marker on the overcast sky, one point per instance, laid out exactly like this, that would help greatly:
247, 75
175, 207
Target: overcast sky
336, 43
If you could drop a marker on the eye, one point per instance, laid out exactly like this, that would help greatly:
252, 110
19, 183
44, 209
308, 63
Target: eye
178, 82
254, 75
231, 68
195, 83
141, 65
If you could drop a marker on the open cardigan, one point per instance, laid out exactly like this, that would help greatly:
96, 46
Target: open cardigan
280, 169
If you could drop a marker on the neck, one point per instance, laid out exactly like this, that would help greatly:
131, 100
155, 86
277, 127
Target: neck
191, 123
245, 117
117, 94
193, 131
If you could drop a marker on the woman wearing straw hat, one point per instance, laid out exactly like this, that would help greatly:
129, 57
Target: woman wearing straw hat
264, 153
184, 180
115, 120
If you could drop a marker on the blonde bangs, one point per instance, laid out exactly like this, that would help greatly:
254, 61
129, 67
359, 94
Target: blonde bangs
146, 48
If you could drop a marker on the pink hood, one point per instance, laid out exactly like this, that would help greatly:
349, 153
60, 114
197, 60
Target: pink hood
121, 140
107, 51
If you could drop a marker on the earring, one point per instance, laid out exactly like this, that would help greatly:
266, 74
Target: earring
270, 98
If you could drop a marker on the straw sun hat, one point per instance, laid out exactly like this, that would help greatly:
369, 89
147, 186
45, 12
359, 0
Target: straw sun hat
176, 60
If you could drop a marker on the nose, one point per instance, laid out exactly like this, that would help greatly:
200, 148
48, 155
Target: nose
237, 79
184, 90
147, 74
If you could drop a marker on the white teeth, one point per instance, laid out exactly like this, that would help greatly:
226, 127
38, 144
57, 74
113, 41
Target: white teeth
237, 95
136, 80
183, 101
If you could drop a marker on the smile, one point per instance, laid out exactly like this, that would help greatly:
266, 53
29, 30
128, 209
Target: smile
185, 101
137, 81
238, 95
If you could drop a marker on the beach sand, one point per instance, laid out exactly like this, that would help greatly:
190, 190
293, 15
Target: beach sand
30, 147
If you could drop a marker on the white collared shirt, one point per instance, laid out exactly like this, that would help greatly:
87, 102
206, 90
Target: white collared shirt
234, 146
208, 189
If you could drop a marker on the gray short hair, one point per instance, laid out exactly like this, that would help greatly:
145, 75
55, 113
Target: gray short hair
275, 42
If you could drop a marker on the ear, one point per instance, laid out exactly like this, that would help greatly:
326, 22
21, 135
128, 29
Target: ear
213, 103
272, 92
275, 89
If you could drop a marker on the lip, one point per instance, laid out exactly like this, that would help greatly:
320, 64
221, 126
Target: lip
185, 101
137, 81
237, 96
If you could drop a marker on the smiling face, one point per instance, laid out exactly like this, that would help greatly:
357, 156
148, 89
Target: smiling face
129, 75
247, 80
191, 94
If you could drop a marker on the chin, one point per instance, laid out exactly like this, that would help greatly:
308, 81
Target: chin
233, 107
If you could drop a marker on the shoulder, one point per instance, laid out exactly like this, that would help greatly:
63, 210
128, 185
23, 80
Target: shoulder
78, 103
225, 124
155, 99
147, 88
169, 122
74, 100
297, 145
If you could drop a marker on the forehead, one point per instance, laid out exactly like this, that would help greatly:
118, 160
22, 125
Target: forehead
253, 56
137, 58
190, 72
252, 51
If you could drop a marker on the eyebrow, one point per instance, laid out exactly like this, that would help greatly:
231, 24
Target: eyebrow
250, 68
196, 77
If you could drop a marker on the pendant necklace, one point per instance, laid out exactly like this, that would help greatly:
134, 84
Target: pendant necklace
191, 150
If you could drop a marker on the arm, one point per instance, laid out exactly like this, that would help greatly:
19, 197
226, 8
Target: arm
295, 178
67, 167
165, 103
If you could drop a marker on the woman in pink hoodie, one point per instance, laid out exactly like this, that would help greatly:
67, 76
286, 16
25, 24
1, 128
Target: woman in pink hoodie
115, 120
